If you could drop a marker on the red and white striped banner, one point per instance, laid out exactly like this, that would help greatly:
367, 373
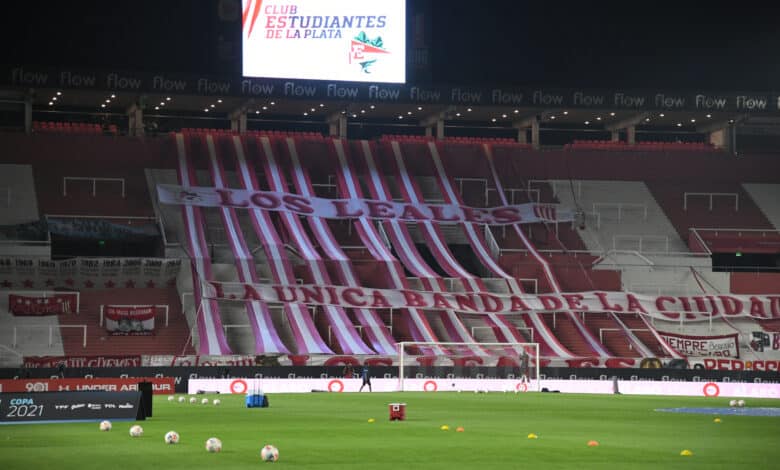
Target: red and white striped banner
361, 208
130, 321
721, 346
670, 308
30, 305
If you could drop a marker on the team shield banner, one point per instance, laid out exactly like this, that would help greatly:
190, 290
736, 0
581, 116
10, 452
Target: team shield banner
130, 321
361, 208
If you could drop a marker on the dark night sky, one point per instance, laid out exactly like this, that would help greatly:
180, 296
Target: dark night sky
685, 45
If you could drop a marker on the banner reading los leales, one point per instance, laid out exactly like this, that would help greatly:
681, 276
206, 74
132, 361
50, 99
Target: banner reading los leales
361, 208
671, 308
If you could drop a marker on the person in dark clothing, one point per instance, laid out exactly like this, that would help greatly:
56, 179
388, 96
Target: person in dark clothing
365, 374
61, 370
348, 372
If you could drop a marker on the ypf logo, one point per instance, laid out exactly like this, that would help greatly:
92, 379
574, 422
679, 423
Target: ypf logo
364, 51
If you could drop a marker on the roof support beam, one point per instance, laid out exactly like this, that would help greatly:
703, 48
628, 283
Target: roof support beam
625, 123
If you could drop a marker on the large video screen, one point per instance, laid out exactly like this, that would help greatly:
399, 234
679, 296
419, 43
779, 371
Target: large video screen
349, 40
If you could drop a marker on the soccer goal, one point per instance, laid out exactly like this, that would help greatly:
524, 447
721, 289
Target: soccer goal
468, 367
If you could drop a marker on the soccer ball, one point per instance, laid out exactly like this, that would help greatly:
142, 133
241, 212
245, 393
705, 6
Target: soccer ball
213, 444
171, 437
733, 403
740, 403
205, 401
181, 399
136, 431
170, 398
269, 453
105, 425
193, 400
216, 401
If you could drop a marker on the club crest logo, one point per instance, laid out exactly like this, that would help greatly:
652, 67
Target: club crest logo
365, 51
189, 196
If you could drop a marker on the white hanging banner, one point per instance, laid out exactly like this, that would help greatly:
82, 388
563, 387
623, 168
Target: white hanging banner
720, 346
361, 208
670, 308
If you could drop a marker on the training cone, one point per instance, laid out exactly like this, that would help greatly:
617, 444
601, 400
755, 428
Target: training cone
593, 443
371, 420
459, 429
686, 453
444, 427
533, 436
717, 420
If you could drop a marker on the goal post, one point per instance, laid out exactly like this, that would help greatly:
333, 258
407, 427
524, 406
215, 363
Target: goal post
477, 367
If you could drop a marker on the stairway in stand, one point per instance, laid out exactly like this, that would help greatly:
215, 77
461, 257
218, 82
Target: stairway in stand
166, 340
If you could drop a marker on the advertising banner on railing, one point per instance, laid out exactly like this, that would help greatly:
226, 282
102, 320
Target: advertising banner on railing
130, 321
87, 273
160, 385
39, 305
71, 362
362, 208
670, 308
720, 346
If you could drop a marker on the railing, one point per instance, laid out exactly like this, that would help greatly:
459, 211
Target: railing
482, 181
711, 196
51, 332
94, 180
641, 239
380, 228
659, 289
554, 185
537, 194
621, 206
164, 307
608, 254
602, 330
530, 331
359, 328
10, 350
330, 189
492, 244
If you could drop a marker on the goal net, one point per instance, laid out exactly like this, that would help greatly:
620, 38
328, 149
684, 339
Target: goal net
473, 367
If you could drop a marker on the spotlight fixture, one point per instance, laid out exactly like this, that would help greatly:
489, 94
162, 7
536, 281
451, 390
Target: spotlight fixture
565, 113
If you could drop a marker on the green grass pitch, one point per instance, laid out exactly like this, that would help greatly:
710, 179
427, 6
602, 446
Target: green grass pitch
331, 431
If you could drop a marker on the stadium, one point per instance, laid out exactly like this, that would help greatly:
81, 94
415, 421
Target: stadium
328, 249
